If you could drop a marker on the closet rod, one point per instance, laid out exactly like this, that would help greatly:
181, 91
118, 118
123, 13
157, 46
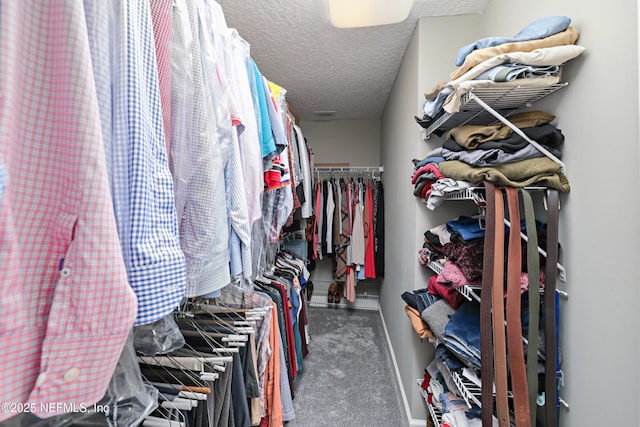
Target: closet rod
334, 281
349, 169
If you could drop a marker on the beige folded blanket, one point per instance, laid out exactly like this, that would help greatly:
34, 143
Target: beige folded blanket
568, 36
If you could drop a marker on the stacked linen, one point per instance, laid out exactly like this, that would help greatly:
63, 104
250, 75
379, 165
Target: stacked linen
472, 154
429, 183
493, 144
533, 57
494, 153
424, 175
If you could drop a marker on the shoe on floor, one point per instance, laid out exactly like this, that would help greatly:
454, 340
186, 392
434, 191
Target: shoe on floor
338, 295
309, 289
331, 293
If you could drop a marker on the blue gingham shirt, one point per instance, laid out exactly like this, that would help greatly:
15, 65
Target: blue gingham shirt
124, 62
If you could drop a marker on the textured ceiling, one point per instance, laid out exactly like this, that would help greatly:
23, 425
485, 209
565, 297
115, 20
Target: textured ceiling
347, 70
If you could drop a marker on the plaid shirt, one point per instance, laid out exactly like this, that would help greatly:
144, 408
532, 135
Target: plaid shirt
66, 307
123, 53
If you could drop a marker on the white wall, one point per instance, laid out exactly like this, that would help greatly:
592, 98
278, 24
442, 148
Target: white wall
598, 113
406, 218
356, 142
400, 136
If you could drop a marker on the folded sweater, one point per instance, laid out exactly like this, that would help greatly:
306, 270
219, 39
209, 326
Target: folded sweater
540, 171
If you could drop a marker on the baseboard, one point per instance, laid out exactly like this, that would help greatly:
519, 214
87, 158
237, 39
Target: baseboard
412, 421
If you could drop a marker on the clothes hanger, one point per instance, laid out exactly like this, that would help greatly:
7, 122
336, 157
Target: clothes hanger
242, 319
188, 397
158, 370
177, 389
152, 421
215, 361
211, 342
160, 416
187, 365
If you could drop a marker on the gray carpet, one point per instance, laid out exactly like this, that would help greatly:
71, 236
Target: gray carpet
347, 378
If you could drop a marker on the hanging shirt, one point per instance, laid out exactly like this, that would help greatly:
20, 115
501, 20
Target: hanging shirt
135, 150
294, 148
267, 140
337, 217
342, 251
369, 264
237, 213
378, 226
162, 23
66, 307
214, 30
357, 236
142, 185
316, 219
250, 151
297, 191
320, 214
330, 208
323, 230
307, 205
285, 131
280, 138
199, 145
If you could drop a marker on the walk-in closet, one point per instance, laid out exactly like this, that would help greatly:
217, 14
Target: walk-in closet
319, 213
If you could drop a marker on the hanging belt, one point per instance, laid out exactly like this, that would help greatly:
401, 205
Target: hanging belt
514, 320
486, 332
499, 338
550, 327
533, 271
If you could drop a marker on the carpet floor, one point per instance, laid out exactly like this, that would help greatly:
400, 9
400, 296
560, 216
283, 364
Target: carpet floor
347, 377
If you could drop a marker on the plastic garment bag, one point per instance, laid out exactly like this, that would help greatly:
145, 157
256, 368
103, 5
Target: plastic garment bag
160, 337
127, 401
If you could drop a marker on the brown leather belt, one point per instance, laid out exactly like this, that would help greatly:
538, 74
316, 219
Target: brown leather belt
486, 331
497, 295
524, 379
514, 320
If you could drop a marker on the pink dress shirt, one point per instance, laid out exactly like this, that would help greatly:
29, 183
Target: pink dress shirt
66, 307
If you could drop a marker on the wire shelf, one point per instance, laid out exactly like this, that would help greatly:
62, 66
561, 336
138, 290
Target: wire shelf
469, 292
477, 195
436, 267
471, 193
470, 391
434, 413
507, 101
